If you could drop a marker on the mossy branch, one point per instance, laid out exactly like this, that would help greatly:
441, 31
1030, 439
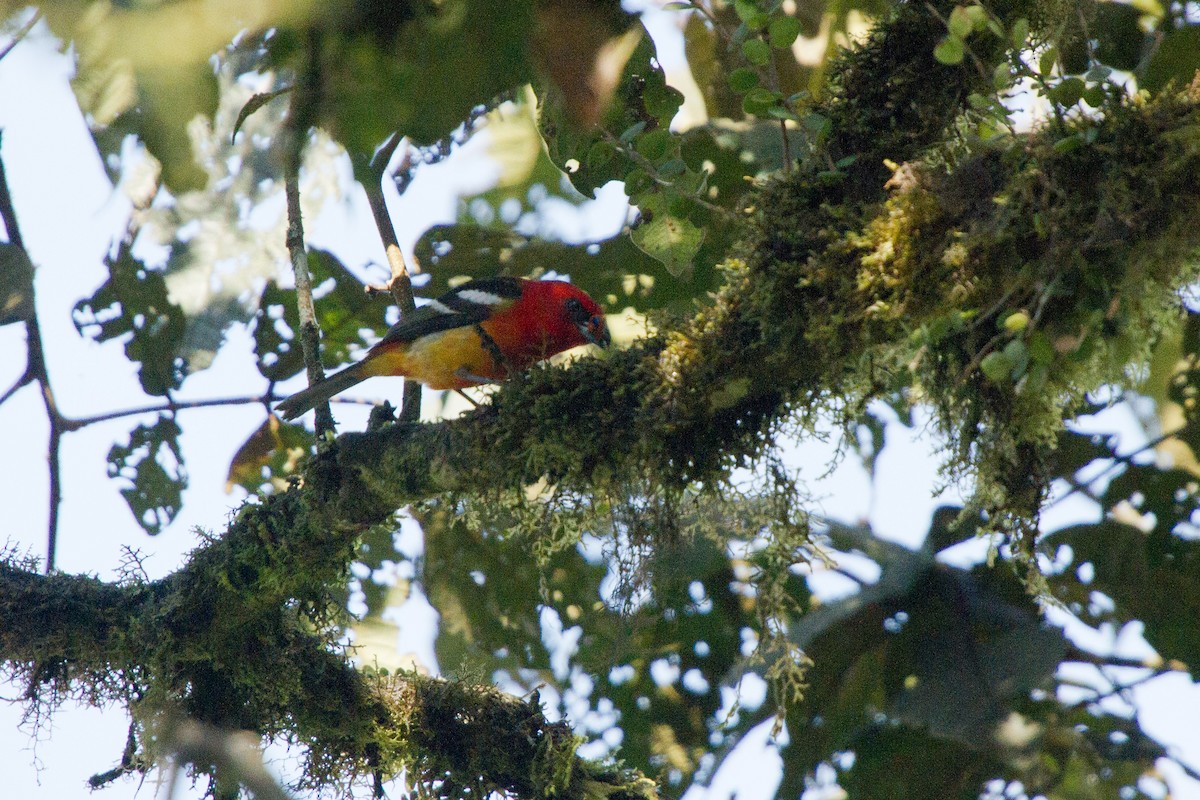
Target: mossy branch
170, 644
839, 300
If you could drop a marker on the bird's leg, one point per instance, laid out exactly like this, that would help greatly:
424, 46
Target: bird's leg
467, 397
464, 374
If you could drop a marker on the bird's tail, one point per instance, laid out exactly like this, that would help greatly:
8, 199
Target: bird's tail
313, 396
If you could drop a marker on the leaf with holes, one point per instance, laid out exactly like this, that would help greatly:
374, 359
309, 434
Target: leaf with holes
133, 303
344, 312
272, 453
151, 466
668, 238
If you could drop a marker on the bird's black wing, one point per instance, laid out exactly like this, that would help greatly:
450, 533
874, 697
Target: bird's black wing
469, 304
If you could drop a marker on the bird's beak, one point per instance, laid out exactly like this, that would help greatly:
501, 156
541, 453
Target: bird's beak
595, 331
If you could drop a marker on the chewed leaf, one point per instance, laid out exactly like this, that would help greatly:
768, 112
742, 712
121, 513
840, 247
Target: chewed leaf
152, 467
268, 456
134, 302
343, 312
667, 238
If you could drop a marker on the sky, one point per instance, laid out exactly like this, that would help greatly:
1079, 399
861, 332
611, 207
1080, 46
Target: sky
70, 213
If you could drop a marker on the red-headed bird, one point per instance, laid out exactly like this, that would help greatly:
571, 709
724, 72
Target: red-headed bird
481, 332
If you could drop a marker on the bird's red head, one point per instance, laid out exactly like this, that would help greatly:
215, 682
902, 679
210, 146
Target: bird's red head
569, 315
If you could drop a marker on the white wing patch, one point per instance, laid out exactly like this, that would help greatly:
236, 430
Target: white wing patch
439, 307
480, 297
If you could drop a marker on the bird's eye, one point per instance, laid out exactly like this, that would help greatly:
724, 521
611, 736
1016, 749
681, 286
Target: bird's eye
576, 310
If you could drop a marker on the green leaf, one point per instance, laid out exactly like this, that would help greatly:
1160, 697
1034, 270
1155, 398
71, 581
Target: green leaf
637, 182
655, 145
1068, 144
1018, 357
633, 131
934, 654
1016, 322
1175, 62
1046, 62
751, 14
780, 112
1120, 41
133, 303
422, 73
978, 16
151, 466
268, 457
818, 125
949, 51
661, 101
782, 32
743, 79
672, 240
1020, 33
641, 95
960, 24
1068, 92
996, 367
758, 101
757, 52
1153, 577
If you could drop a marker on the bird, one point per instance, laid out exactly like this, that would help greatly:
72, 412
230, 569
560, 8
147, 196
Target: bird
481, 332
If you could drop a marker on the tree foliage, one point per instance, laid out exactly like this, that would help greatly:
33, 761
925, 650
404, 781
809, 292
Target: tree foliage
830, 240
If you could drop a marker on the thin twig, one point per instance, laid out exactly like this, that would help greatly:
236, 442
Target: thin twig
171, 406
1085, 657
25, 379
36, 369
21, 34
652, 171
1118, 461
295, 137
8, 214
400, 284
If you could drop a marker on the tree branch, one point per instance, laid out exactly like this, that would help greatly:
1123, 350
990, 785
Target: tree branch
810, 312
172, 406
817, 297
36, 370
294, 138
186, 633
400, 284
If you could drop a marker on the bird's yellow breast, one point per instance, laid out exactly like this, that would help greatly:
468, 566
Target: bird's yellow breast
438, 360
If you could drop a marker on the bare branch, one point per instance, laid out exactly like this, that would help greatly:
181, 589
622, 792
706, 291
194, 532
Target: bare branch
170, 406
294, 138
21, 34
36, 370
400, 284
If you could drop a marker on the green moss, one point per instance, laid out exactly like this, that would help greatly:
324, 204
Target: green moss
1086, 246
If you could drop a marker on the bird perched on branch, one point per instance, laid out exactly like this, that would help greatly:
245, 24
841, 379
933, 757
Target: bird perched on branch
481, 332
